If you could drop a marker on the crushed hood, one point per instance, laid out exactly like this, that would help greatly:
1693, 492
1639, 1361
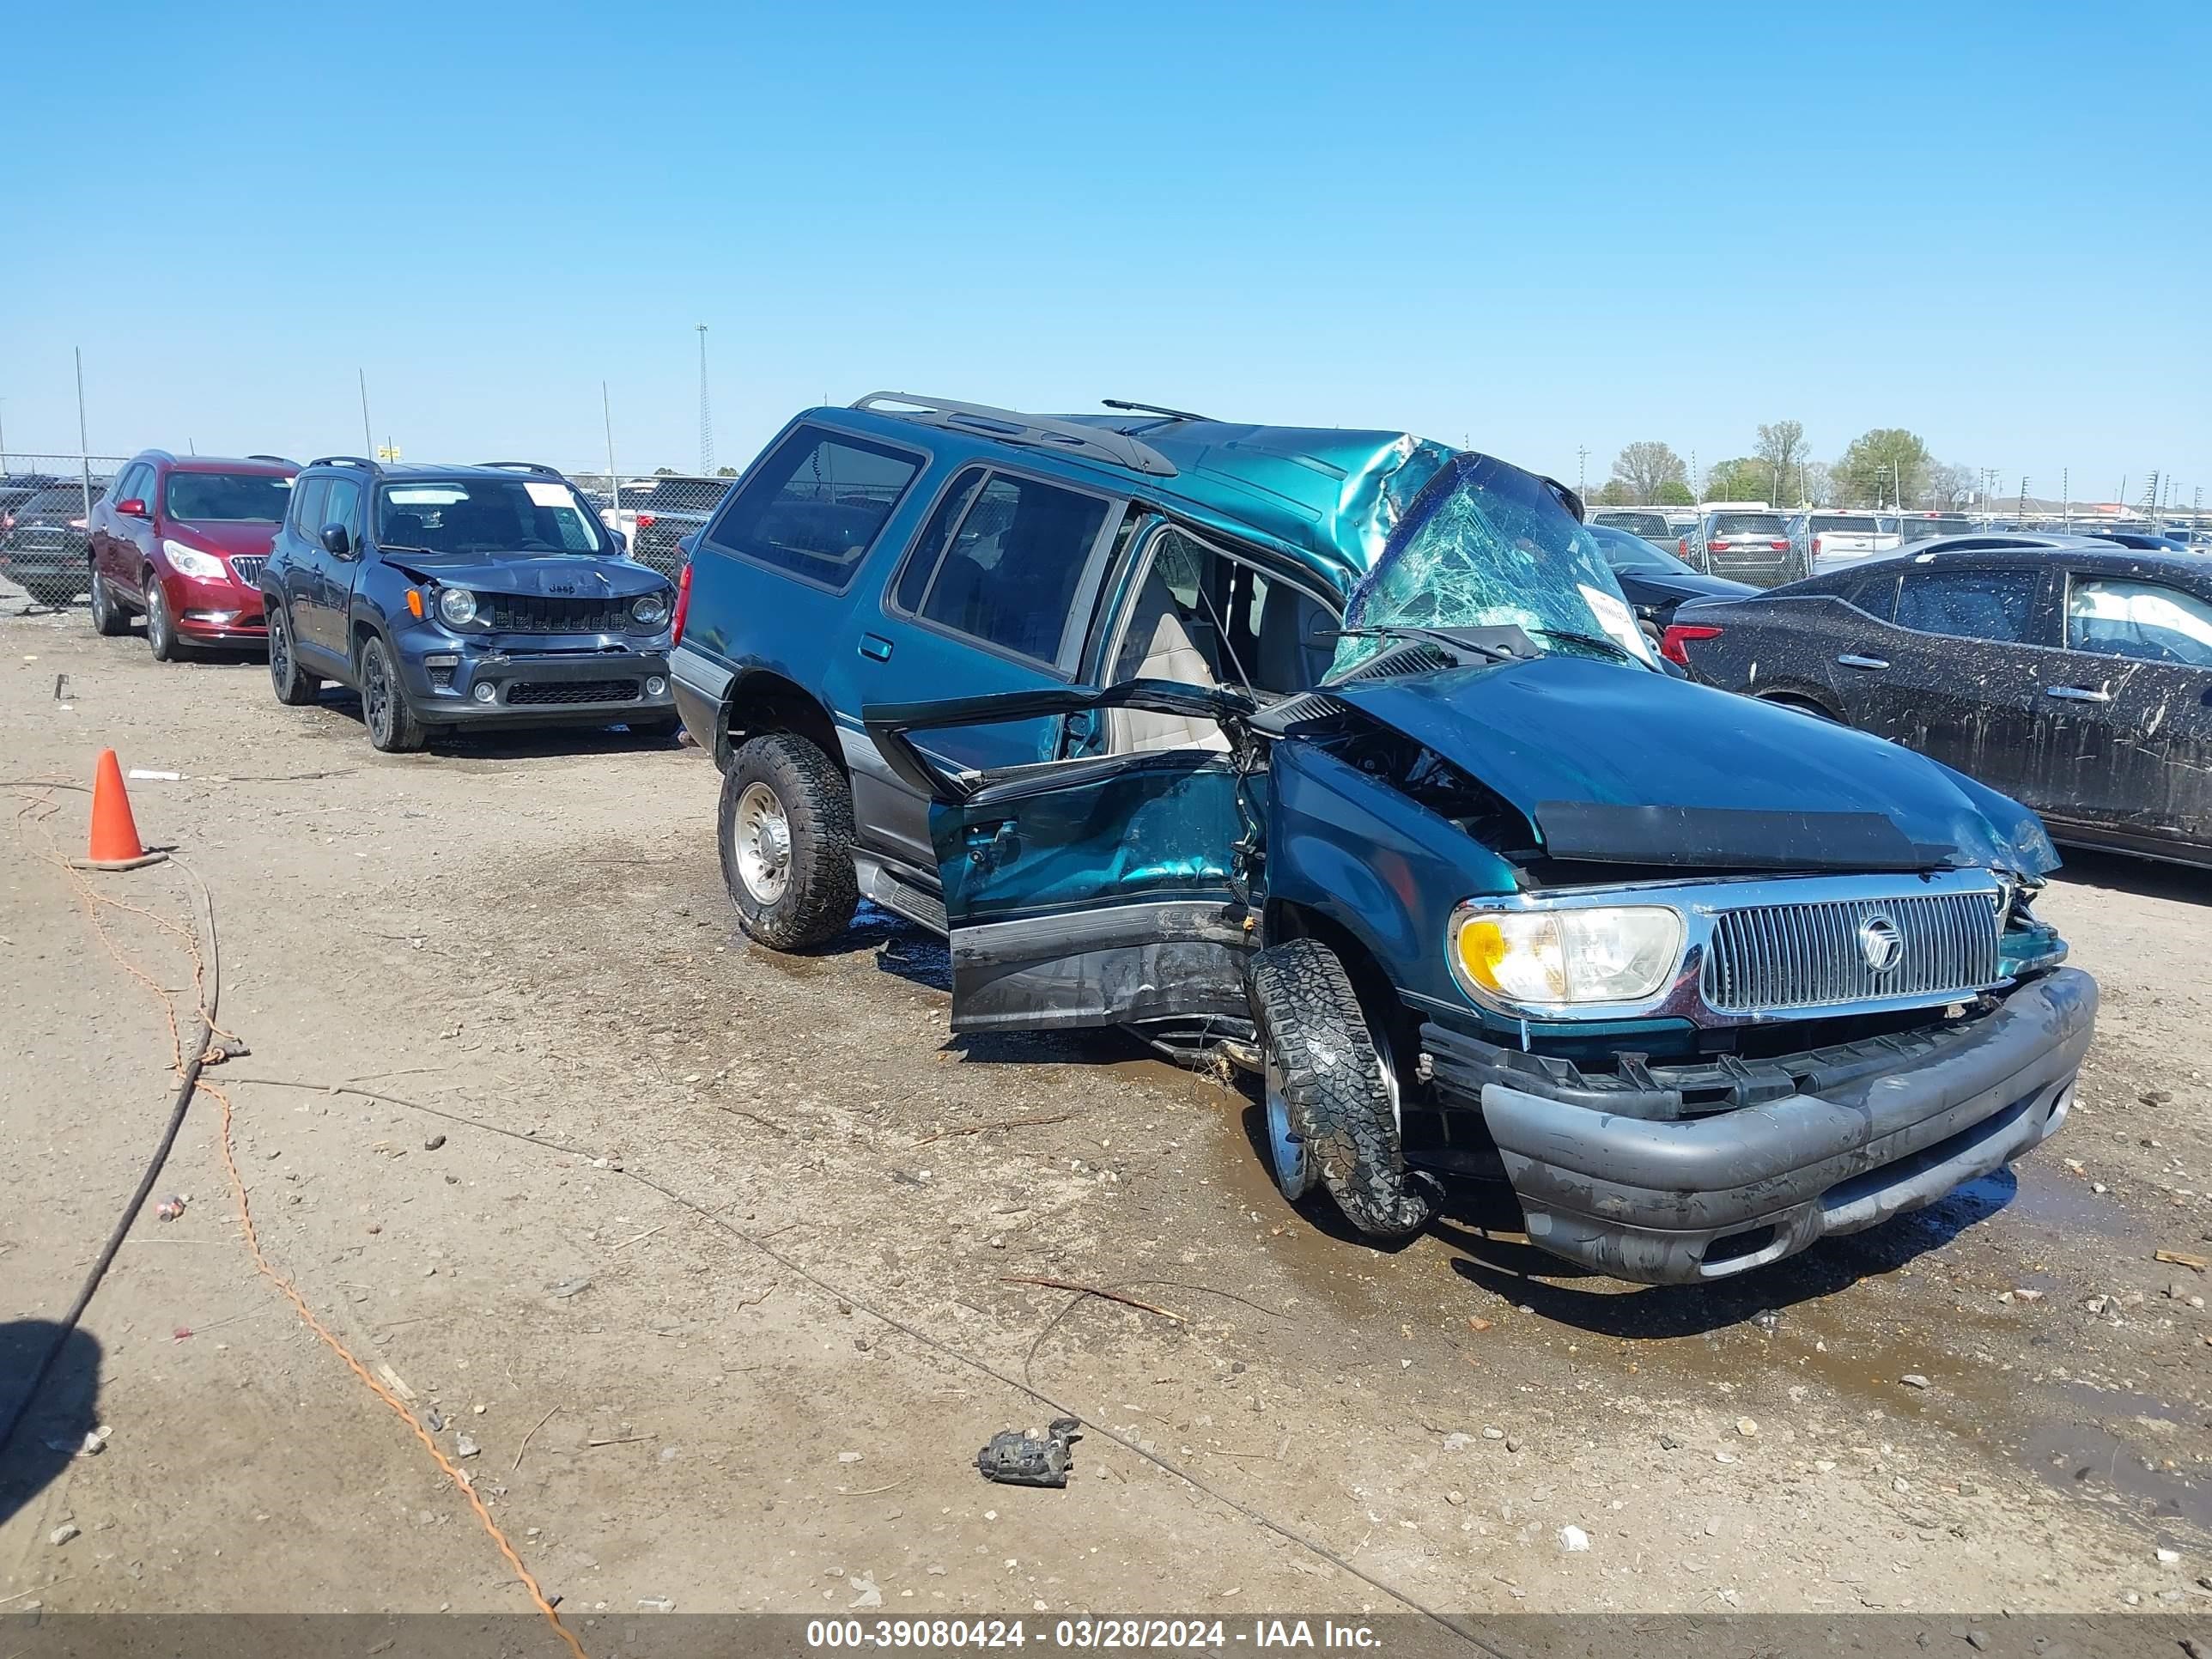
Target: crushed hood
1617, 765
566, 576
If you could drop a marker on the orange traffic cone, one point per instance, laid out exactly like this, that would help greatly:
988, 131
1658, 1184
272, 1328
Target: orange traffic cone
115, 844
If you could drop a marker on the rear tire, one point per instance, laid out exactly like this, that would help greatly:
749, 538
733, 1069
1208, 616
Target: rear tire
294, 686
1337, 1090
785, 830
161, 626
392, 727
108, 618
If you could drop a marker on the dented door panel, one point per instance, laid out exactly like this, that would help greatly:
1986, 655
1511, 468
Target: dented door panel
2137, 764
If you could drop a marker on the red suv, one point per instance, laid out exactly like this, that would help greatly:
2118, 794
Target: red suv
183, 539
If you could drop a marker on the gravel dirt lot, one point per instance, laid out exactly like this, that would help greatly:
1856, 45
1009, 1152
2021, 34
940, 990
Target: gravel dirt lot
704, 1253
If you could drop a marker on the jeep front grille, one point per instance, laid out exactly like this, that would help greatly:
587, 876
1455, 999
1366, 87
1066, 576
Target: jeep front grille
1828, 953
543, 613
572, 691
246, 566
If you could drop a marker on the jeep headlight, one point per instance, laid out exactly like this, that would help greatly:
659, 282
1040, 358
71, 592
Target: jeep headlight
650, 611
1540, 959
457, 606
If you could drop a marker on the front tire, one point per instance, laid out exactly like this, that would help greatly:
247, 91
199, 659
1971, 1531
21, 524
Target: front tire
786, 834
392, 727
108, 618
1337, 1089
161, 626
294, 686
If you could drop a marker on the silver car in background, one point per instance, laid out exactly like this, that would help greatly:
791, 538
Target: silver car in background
1747, 544
1836, 540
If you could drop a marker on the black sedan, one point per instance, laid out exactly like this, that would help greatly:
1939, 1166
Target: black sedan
2069, 673
1655, 581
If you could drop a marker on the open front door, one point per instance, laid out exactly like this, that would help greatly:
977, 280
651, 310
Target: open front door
1099, 891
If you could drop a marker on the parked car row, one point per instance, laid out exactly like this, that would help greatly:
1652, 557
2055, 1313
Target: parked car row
448, 597
1346, 755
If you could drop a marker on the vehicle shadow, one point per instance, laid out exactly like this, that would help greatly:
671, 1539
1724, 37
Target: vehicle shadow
530, 743
53, 1431
2142, 878
1511, 1266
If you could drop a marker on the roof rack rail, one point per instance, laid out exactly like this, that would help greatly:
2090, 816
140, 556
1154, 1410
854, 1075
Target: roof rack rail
538, 467
281, 460
1151, 408
346, 460
1093, 443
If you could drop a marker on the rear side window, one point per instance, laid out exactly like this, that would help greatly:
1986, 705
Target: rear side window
1875, 595
1969, 604
307, 506
815, 506
1012, 569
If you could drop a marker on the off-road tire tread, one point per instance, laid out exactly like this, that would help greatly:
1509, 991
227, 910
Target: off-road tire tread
819, 903
1303, 1005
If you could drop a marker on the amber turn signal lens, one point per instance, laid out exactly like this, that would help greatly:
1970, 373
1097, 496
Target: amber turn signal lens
415, 603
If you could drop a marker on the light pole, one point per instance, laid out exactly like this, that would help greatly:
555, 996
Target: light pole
706, 414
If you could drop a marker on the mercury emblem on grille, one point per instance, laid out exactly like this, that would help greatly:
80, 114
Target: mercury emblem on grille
1881, 944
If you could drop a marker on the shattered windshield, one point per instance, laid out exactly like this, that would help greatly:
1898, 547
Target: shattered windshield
1487, 545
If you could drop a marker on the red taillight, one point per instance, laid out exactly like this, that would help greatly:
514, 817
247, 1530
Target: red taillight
1816, 547
644, 520
1682, 546
1679, 635
683, 605
1779, 547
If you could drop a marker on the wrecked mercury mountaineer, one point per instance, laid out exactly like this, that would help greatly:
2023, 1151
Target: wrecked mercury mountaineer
1342, 752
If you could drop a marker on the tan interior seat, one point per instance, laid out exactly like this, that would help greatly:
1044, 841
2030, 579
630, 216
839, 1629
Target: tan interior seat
1157, 646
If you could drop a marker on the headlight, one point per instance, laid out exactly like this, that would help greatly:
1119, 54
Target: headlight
190, 561
457, 606
1531, 959
649, 611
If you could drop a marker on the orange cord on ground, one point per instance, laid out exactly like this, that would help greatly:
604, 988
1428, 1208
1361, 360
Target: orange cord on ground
92, 900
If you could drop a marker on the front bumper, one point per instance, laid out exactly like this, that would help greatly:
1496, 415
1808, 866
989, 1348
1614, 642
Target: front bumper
485, 682
1888, 1125
215, 611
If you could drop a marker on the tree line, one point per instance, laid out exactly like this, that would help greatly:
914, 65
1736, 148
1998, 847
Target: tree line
1888, 467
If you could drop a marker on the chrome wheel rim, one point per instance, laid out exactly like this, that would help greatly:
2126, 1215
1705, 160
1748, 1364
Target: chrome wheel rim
375, 692
1293, 1174
157, 618
763, 844
280, 651
99, 598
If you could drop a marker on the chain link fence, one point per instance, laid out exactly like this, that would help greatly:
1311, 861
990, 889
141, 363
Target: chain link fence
45, 504
654, 511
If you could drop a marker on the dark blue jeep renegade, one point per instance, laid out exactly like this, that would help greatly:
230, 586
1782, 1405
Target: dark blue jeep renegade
1343, 752
456, 597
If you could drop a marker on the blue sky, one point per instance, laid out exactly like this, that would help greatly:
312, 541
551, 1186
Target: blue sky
1540, 228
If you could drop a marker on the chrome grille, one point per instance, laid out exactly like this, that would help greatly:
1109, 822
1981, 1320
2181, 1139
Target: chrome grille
1813, 954
246, 566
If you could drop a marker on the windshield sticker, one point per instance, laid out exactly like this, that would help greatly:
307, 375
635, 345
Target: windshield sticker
1617, 619
549, 495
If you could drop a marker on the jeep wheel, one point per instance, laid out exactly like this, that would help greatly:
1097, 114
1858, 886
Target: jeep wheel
107, 616
391, 723
161, 627
295, 685
786, 830
1332, 1089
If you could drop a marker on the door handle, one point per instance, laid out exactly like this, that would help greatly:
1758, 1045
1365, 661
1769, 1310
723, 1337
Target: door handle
990, 845
2078, 693
875, 646
1849, 661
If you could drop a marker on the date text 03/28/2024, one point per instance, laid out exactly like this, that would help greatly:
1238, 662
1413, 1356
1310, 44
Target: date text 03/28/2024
1170, 1635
